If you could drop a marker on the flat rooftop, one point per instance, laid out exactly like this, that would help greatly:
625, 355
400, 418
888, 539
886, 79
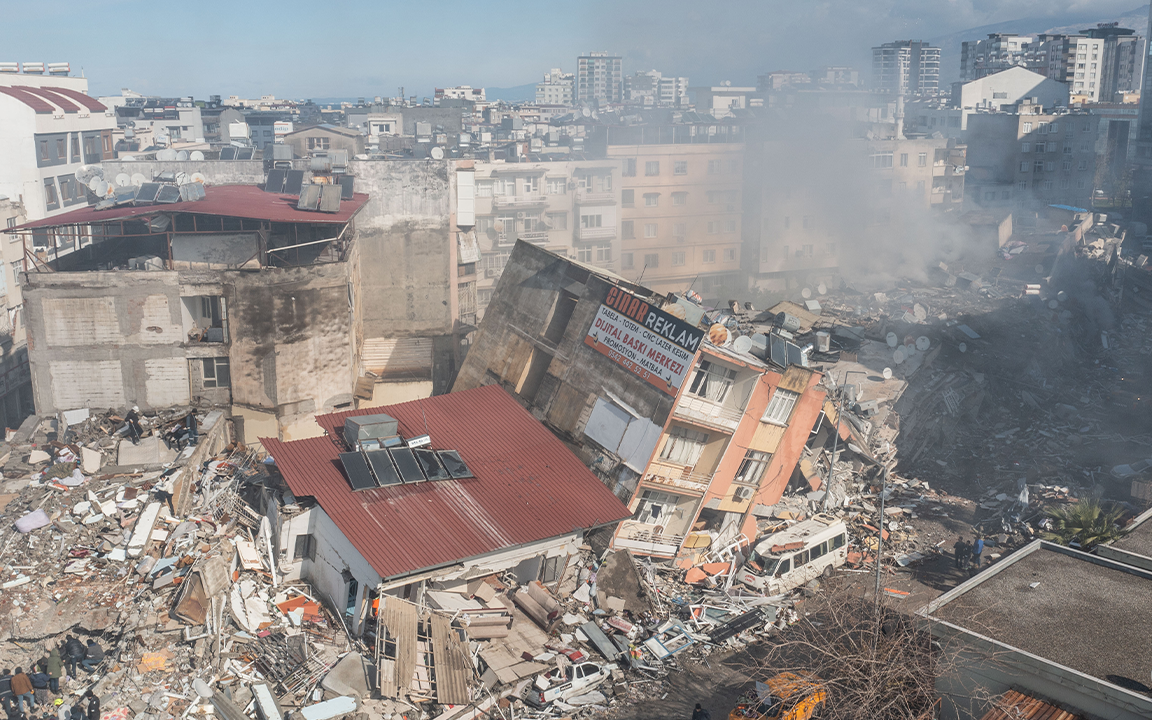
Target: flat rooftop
1084, 613
1138, 541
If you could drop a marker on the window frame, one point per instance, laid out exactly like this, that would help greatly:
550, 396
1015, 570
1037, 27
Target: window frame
780, 407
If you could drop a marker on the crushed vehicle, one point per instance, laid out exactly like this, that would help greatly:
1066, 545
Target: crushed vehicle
786, 696
786, 560
567, 682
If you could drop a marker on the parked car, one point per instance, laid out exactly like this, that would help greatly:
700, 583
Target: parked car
788, 697
574, 680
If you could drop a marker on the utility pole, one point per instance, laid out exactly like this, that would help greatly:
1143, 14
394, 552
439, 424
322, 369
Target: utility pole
880, 535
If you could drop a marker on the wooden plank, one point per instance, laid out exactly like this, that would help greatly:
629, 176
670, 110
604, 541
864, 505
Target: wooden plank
451, 675
399, 620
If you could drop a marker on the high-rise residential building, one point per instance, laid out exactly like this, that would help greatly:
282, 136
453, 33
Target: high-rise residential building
906, 67
997, 52
556, 88
1143, 159
1096, 65
651, 88
599, 78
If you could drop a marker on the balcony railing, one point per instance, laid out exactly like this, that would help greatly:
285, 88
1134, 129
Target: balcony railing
647, 539
698, 410
533, 236
514, 201
596, 233
677, 476
595, 197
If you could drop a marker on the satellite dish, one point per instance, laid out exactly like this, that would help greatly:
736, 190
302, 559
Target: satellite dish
198, 178
585, 112
822, 289
806, 293
962, 347
437, 153
196, 155
891, 339
887, 373
129, 158
1039, 269
123, 180
181, 178
1062, 296
93, 182
182, 155
129, 133
719, 335
742, 344
898, 356
138, 179
923, 343
166, 154
86, 173
1053, 304
99, 187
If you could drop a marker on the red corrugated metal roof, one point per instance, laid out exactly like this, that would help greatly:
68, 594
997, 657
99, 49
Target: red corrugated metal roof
242, 201
49, 94
1014, 705
35, 102
89, 102
528, 485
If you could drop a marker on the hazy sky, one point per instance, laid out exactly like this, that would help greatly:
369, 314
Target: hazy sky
334, 48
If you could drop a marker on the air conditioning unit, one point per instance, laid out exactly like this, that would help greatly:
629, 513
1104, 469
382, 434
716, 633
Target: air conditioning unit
742, 494
520, 215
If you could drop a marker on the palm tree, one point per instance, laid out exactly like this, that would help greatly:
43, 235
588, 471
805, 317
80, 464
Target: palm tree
1086, 522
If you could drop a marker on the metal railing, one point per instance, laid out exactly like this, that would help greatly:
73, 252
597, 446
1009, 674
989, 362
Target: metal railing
505, 201
595, 197
679, 476
647, 537
595, 233
697, 409
533, 236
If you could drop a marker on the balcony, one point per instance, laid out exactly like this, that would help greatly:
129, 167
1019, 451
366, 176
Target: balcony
536, 237
699, 411
595, 198
677, 476
647, 539
518, 201
596, 233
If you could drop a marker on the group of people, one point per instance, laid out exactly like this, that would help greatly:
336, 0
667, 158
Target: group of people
22, 692
969, 554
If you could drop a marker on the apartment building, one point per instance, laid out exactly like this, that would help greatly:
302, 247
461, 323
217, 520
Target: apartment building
16, 401
557, 88
570, 208
906, 67
1096, 65
1142, 161
1032, 157
688, 433
680, 206
145, 121
996, 53
599, 78
460, 92
651, 88
720, 101
50, 128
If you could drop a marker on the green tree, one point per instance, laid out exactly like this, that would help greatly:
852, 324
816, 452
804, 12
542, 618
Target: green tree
1086, 521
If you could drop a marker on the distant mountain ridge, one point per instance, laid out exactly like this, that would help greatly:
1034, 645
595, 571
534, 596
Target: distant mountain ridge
1068, 24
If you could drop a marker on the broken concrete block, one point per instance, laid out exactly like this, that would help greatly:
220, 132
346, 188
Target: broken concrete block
90, 460
38, 456
348, 677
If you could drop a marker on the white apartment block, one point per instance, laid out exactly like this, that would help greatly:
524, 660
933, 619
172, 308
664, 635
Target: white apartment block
569, 208
906, 67
651, 88
997, 52
557, 88
49, 127
599, 78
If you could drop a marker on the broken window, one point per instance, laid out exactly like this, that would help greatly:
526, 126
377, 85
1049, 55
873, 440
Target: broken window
780, 407
216, 373
205, 318
752, 467
305, 548
656, 506
683, 446
712, 381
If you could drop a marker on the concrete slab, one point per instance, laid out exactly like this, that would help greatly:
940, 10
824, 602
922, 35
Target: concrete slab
348, 677
150, 451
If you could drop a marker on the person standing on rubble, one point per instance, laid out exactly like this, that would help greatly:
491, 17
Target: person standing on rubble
977, 551
6, 697
93, 712
54, 668
22, 689
75, 652
962, 551
93, 657
700, 713
135, 431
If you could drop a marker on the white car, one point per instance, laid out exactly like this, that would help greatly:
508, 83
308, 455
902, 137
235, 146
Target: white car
577, 679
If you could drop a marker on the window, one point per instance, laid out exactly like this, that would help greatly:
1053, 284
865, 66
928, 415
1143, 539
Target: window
730, 226
44, 150
1022, 185
628, 198
903, 159
882, 159
1049, 166
1082, 165
780, 407
61, 150
1038, 166
713, 167
1025, 147
652, 260
752, 467
628, 229
922, 160
531, 185
920, 186
709, 256
557, 186
484, 188
305, 548
629, 169
51, 199
655, 506
729, 254
17, 268
680, 167
713, 227
558, 221
1047, 184
319, 143
216, 373
651, 199
734, 167
584, 254
1024, 166
680, 230
626, 261
1054, 128
1066, 165
679, 198
604, 252
678, 258
1027, 127
712, 381
590, 221
75, 148
650, 230
652, 168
